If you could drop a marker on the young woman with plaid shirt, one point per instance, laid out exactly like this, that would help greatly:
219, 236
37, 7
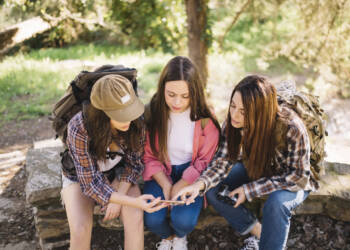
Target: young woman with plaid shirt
106, 145
252, 163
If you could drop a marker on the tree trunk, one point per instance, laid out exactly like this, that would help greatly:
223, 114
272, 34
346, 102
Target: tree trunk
196, 11
22, 31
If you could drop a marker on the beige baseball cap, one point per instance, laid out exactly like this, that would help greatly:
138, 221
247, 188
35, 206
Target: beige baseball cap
115, 95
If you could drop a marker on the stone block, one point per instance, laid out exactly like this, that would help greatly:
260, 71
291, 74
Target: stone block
338, 209
52, 244
310, 207
47, 227
44, 175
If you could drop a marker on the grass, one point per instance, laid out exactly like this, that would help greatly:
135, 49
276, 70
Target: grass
31, 83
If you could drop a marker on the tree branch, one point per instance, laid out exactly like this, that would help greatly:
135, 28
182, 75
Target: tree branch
235, 19
330, 27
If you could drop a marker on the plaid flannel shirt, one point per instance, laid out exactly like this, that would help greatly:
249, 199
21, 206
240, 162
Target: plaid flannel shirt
93, 182
291, 171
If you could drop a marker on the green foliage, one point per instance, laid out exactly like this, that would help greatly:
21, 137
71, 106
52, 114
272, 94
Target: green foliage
150, 24
289, 36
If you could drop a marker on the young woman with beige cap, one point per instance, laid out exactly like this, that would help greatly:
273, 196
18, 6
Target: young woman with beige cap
106, 142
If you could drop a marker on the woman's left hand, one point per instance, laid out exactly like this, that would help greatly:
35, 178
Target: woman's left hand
177, 187
241, 195
112, 211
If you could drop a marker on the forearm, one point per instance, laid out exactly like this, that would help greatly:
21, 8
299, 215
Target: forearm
123, 199
123, 187
162, 180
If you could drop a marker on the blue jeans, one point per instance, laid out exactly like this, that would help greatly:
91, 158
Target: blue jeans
182, 219
276, 212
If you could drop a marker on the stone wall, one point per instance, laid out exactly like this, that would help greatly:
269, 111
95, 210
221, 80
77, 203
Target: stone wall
44, 185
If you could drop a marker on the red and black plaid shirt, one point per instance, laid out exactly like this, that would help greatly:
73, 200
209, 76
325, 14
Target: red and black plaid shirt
291, 172
92, 181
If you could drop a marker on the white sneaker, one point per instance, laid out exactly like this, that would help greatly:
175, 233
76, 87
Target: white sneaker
180, 243
164, 244
251, 243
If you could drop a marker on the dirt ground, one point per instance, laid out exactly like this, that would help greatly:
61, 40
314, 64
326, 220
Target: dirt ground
17, 229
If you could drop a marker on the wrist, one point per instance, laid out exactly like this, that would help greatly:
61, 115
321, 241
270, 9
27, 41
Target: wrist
166, 186
200, 185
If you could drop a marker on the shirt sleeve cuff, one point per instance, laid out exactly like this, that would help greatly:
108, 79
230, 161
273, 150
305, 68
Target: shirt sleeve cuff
248, 196
109, 190
206, 185
126, 179
190, 175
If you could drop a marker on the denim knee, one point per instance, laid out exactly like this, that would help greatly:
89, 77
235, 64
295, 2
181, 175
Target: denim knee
184, 223
211, 196
275, 206
156, 219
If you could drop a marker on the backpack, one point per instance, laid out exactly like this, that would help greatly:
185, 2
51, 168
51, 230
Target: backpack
79, 91
307, 107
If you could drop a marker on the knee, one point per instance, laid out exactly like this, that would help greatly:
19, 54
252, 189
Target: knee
211, 196
276, 206
80, 231
154, 220
185, 223
132, 217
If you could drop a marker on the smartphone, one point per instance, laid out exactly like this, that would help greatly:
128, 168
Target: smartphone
173, 202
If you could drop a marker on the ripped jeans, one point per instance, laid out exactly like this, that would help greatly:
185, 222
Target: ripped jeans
276, 212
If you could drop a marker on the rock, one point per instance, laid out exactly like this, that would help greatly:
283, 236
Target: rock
338, 209
19, 246
51, 227
310, 207
201, 239
337, 167
57, 244
223, 245
7, 207
44, 175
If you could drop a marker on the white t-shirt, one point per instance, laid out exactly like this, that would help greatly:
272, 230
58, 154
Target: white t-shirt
109, 163
180, 137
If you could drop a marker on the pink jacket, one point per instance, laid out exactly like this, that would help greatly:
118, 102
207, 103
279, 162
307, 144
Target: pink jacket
205, 142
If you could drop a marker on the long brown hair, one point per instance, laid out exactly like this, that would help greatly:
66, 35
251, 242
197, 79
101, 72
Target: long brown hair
258, 140
101, 134
178, 68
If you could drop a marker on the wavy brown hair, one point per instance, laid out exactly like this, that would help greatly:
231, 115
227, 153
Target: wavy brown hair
260, 114
177, 69
101, 134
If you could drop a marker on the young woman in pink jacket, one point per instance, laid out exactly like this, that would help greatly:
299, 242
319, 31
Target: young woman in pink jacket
182, 138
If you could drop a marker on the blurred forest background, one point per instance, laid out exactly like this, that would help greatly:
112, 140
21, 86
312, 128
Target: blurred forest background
45, 43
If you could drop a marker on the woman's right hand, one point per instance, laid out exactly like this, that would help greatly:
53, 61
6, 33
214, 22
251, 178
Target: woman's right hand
148, 203
189, 193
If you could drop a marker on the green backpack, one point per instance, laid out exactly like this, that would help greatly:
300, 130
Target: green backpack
307, 106
79, 91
